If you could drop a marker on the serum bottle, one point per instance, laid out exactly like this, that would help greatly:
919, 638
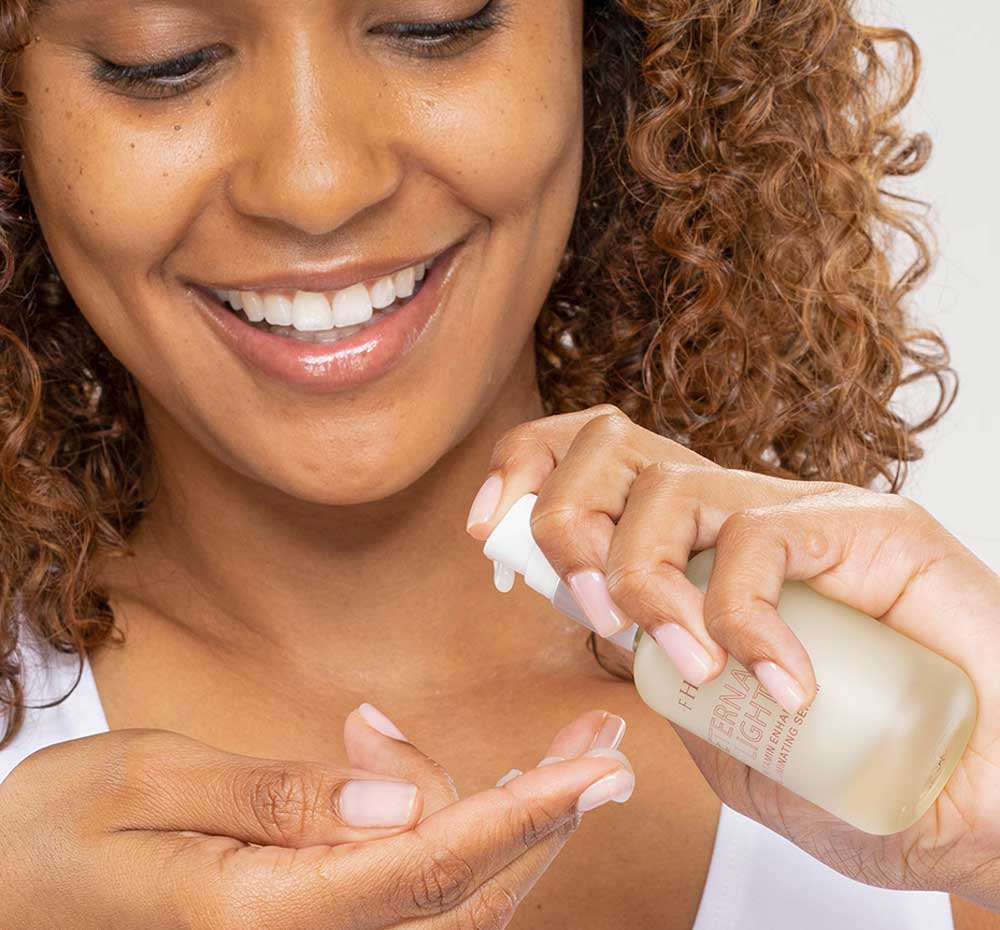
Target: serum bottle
887, 727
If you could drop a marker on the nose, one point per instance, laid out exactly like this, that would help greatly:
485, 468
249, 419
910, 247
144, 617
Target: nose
314, 149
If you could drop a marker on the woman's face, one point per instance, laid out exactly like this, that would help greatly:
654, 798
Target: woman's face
309, 147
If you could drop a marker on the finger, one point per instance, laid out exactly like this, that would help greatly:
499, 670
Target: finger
426, 871
155, 780
673, 510
867, 550
374, 743
596, 729
455, 851
524, 457
495, 901
574, 516
669, 513
521, 460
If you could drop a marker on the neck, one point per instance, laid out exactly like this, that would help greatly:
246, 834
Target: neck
278, 585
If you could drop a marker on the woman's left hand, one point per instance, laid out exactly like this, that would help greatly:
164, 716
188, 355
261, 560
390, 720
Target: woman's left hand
619, 511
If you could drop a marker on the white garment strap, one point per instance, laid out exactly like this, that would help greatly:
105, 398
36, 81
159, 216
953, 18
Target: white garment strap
758, 880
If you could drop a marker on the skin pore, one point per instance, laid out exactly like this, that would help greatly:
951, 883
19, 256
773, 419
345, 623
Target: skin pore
305, 551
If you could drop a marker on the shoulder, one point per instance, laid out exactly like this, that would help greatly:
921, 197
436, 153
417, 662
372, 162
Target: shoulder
61, 703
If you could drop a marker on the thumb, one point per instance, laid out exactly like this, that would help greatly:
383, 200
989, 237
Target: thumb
167, 782
374, 743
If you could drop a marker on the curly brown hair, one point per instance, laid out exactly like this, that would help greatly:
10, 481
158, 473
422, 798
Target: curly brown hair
728, 283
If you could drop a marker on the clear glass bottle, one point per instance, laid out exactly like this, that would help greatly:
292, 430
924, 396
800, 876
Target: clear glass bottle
887, 727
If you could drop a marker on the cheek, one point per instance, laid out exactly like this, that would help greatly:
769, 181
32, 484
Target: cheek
507, 134
114, 190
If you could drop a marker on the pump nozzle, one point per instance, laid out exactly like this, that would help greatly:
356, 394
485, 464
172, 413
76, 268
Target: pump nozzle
512, 548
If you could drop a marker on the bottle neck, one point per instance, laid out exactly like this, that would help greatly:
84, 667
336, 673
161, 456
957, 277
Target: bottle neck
564, 602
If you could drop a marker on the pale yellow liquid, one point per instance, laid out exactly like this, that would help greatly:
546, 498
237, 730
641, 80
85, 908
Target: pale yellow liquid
888, 726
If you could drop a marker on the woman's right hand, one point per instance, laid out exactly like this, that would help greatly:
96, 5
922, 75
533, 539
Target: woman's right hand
149, 829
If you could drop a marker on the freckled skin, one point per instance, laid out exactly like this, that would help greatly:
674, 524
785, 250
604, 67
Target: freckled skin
310, 171
320, 537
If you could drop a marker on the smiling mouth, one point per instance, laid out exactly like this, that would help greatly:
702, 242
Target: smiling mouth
325, 318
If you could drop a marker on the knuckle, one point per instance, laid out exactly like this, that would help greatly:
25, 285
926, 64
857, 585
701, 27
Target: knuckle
738, 527
521, 441
554, 526
608, 410
532, 823
664, 474
491, 908
730, 620
630, 587
282, 799
128, 761
611, 423
441, 880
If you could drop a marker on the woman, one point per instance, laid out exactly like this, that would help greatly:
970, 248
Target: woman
285, 281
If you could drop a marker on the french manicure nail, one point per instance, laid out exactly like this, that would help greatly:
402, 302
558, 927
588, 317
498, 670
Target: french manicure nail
548, 760
690, 658
590, 590
510, 776
378, 721
374, 803
610, 734
780, 685
485, 501
617, 786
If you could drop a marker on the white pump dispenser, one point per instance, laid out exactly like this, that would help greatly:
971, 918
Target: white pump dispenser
887, 727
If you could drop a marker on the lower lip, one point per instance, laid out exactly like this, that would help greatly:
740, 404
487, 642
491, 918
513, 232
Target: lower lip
352, 361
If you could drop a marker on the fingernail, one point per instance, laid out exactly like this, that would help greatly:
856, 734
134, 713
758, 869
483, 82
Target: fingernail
510, 776
590, 591
485, 501
378, 721
691, 659
610, 734
617, 786
548, 760
373, 803
780, 685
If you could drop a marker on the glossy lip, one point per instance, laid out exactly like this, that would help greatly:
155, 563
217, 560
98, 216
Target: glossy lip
321, 281
349, 363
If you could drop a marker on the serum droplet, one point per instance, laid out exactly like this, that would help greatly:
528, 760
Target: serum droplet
503, 577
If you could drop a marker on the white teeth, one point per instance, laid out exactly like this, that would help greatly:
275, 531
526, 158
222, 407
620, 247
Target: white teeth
352, 306
326, 317
311, 312
253, 306
383, 293
278, 310
404, 282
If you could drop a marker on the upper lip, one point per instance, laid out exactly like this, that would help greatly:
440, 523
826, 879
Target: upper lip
318, 278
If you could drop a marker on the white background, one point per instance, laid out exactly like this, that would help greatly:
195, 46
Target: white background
959, 479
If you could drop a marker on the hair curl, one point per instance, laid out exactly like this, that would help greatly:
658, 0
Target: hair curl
728, 284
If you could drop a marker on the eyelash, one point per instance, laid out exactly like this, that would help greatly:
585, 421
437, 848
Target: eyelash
174, 77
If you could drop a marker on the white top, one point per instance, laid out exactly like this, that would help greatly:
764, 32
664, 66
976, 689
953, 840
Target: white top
757, 880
